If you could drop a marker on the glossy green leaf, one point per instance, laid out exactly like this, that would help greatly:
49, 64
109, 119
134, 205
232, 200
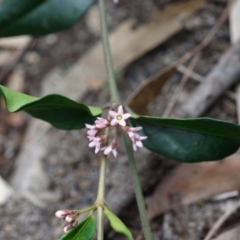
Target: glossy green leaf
83, 231
189, 140
117, 224
30, 17
10, 10
61, 112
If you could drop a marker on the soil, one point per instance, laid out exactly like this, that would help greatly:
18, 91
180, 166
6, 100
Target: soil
72, 168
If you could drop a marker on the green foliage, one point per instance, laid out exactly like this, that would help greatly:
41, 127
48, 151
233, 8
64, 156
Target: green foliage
117, 224
61, 112
83, 231
11, 10
190, 140
39, 17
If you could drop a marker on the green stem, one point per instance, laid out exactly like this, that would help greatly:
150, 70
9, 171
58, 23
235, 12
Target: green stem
100, 223
138, 190
116, 100
100, 198
107, 53
101, 183
86, 210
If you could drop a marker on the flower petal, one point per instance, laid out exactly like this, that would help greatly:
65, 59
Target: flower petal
113, 114
97, 148
114, 122
134, 147
114, 152
92, 144
122, 122
120, 110
126, 115
139, 144
107, 150
89, 126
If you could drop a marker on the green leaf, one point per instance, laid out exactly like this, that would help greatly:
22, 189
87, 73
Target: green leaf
60, 111
117, 224
83, 231
11, 10
37, 17
189, 140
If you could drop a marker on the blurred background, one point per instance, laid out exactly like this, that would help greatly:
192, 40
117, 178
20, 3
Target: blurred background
43, 169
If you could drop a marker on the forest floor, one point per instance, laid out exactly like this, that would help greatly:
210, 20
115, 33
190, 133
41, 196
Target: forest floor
72, 168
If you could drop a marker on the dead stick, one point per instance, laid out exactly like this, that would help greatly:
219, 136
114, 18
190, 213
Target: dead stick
221, 221
221, 78
180, 86
209, 36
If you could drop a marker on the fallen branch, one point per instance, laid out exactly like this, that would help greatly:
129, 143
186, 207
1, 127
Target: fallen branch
230, 210
222, 77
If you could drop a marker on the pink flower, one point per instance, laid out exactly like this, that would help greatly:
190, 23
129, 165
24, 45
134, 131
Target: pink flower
101, 123
63, 213
95, 142
93, 130
112, 147
137, 141
69, 216
131, 130
119, 117
69, 226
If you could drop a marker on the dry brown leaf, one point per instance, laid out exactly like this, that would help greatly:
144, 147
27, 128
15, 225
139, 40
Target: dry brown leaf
233, 234
171, 20
14, 42
146, 92
190, 183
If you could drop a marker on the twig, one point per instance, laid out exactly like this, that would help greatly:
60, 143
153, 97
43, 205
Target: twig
209, 36
223, 17
192, 74
180, 86
221, 221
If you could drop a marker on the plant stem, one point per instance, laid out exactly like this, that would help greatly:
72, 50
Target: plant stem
100, 198
138, 190
86, 209
100, 223
107, 53
101, 183
116, 100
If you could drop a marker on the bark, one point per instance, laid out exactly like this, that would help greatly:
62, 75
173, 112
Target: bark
222, 77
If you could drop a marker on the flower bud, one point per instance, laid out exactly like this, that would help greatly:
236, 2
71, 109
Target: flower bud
62, 213
75, 223
70, 218
68, 227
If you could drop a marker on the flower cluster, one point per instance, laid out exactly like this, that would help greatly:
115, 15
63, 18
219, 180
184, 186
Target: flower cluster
69, 216
116, 119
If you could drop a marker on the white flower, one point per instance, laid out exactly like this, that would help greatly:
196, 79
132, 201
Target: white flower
119, 117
